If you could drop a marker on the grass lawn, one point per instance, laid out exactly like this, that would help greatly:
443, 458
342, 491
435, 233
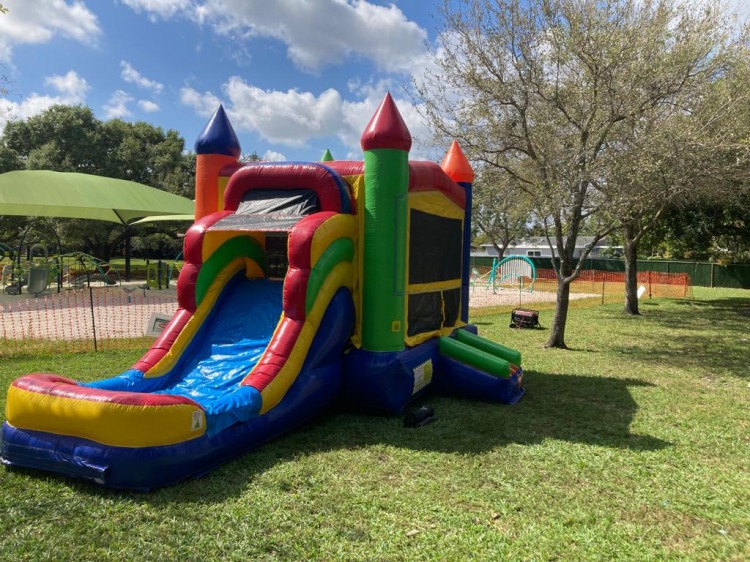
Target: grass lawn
635, 444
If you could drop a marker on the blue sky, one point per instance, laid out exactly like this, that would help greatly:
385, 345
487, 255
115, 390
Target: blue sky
295, 76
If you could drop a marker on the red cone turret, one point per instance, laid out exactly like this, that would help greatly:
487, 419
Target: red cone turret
386, 129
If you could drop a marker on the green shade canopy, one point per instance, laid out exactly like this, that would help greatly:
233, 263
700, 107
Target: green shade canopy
42, 193
163, 218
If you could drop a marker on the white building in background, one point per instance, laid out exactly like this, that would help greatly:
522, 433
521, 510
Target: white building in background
537, 247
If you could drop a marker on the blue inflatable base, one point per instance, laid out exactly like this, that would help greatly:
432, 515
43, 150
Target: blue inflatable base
387, 382
145, 468
457, 379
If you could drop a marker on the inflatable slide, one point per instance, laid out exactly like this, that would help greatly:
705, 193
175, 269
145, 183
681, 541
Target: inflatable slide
304, 282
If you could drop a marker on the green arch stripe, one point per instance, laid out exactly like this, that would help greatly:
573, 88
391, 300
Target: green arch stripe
239, 246
340, 250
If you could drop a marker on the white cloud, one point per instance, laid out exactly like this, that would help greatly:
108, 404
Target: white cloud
71, 90
290, 118
130, 74
148, 106
273, 156
117, 106
203, 104
38, 21
316, 34
295, 119
70, 86
159, 8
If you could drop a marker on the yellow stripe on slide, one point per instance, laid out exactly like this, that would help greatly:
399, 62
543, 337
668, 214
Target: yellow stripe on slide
340, 276
109, 423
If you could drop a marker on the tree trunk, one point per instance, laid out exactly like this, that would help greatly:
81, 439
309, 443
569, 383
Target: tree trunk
557, 333
630, 246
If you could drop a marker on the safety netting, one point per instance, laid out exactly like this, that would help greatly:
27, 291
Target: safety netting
120, 317
84, 320
488, 296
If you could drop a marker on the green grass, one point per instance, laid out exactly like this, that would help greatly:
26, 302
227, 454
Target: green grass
633, 445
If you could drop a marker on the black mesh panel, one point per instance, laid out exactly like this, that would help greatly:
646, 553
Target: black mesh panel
435, 245
425, 313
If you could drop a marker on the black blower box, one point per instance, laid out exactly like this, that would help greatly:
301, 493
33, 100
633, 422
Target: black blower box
522, 318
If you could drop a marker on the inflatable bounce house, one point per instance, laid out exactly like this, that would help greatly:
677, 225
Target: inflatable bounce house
303, 282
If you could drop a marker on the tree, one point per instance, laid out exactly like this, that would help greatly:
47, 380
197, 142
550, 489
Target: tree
10, 226
72, 139
4, 80
500, 209
547, 91
692, 153
706, 231
61, 138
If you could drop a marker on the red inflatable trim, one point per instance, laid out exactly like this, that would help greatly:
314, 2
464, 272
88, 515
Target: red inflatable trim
193, 250
295, 291
276, 354
428, 176
61, 387
304, 175
164, 342
301, 237
423, 176
193, 244
386, 128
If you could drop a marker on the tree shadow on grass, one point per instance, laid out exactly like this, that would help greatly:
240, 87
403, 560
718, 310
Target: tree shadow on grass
730, 313
710, 336
579, 409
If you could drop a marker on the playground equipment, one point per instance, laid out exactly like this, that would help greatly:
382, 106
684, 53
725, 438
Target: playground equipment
39, 248
38, 280
158, 274
512, 270
32, 251
80, 270
73, 271
302, 282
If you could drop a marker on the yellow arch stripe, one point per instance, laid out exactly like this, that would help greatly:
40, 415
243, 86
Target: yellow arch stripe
338, 226
340, 276
417, 288
435, 203
109, 423
357, 184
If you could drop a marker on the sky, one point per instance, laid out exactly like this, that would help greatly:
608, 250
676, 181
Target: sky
296, 77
